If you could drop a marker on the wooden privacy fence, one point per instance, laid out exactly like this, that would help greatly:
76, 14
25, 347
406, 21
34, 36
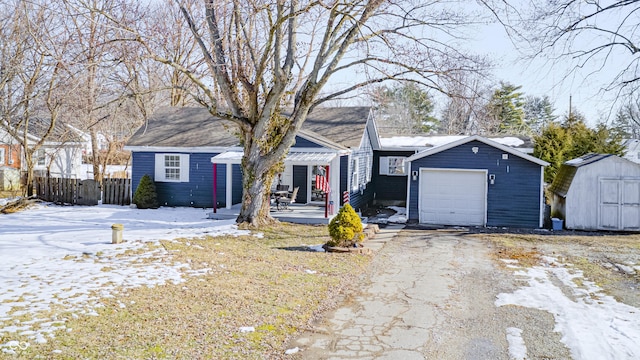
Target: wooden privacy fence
116, 191
83, 192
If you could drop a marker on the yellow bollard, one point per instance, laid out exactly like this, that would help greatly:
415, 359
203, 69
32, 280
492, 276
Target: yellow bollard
116, 234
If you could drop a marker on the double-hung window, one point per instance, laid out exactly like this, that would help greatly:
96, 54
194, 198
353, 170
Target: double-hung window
172, 168
393, 165
39, 157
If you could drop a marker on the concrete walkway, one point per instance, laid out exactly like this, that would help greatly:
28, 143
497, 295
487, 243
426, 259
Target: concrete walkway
402, 308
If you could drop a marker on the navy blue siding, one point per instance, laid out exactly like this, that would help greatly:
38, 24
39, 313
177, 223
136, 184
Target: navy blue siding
344, 175
389, 187
198, 192
513, 200
221, 186
300, 181
236, 184
304, 143
363, 195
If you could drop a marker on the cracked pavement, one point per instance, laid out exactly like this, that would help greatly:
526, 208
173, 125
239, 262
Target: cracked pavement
427, 295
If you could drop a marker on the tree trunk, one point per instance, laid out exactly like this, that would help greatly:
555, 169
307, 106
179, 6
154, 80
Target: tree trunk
256, 181
95, 161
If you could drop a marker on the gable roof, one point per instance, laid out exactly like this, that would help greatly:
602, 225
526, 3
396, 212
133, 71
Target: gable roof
562, 182
185, 127
37, 128
462, 141
339, 127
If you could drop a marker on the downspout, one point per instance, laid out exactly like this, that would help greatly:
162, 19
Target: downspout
215, 188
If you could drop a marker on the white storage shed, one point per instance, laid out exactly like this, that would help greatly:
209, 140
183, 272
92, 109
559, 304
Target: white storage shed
597, 192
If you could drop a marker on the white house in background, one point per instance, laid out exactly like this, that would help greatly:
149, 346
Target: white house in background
59, 156
632, 150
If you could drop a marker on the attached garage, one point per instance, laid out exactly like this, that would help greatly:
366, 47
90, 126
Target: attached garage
475, 182
597, 192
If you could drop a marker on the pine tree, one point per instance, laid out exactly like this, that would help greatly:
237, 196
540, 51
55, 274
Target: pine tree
552, 146
146, 196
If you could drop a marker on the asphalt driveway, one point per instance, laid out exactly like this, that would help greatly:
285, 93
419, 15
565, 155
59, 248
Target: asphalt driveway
432, 295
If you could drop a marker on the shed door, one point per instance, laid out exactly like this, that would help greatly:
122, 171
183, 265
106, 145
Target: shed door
453, 197
619, 207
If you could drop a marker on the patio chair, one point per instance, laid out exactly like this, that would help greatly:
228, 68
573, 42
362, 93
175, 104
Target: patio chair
282, 187
284, 202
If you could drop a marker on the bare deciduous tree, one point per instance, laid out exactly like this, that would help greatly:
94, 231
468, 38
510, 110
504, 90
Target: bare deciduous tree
267, 57
31, 76
592, 37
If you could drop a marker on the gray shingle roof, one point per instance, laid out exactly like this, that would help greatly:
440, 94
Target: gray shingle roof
196, 127
564, 177
184, 127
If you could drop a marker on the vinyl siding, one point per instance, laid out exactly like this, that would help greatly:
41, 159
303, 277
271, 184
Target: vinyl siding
236, 181
304, 143
389, 187
513, 200
198, 192
363, 195
344, 176
300, 181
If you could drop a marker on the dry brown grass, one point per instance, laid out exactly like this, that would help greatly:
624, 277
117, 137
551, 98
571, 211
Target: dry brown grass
18, 205
259, 282
597, 256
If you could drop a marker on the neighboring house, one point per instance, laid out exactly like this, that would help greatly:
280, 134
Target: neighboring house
474, 181
59, 156
390, 169
182, 149
632, 150
597, 192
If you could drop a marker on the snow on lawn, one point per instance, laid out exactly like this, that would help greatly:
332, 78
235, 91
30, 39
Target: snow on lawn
57, 255
593, 325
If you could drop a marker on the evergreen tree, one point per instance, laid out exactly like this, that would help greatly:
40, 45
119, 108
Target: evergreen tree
506, 110
405, 109
538, 113
552, 146
146, 196
559, 143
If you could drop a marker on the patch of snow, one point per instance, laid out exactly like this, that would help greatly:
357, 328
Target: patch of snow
310, 271
517, 348
400, 217
318, 248
292, 351
433, 141
246, 329
508, 141
59, 255
593, 324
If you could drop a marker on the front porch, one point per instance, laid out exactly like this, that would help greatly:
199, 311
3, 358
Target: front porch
297, 213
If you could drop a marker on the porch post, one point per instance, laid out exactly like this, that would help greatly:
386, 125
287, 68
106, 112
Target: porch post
215, 188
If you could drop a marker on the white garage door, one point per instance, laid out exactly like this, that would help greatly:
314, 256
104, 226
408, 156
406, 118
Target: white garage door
453, 197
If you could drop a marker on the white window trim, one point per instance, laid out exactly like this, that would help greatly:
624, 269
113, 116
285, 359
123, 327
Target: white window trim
355, 176
2, 156
160, 174
40, 158
385, 162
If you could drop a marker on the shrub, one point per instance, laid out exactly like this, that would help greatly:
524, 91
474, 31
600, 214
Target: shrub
345, 228
146, 196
